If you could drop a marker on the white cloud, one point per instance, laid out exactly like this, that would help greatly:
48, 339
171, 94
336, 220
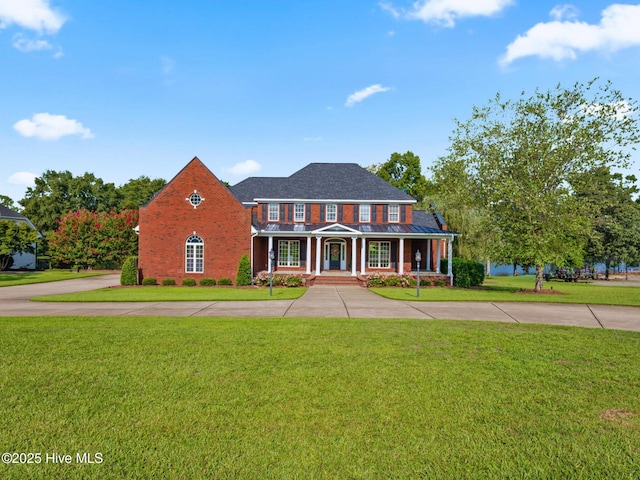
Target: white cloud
564, 12
446, 12
29, 45
22, 178
245, 168
564, 39
34, 15
364, 93
50, 127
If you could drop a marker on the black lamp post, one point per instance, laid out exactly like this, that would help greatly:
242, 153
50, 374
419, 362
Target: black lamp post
272, 257
418, 258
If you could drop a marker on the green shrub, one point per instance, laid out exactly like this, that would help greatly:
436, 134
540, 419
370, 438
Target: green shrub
167, 282
129, 274
208, 282
293, 281
226, 281
149, 281
188, 282
243, 277
392, 281
375, 280
467, 273
440, 283
425, 283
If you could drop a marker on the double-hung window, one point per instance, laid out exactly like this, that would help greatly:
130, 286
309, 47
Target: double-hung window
379, 254
332, 212
289, 253
298, 212
274, 212
394, 213
194, 255
365, 213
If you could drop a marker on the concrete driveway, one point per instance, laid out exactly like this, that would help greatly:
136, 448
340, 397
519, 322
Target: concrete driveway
319, 301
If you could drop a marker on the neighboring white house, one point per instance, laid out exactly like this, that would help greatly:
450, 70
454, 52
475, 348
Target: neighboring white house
22, 260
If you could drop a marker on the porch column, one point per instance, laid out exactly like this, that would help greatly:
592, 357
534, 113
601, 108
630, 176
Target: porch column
438, 257
429, 242
308, 259
449, 258
401, 256
363, 256
318, 251
354, 251
269, 248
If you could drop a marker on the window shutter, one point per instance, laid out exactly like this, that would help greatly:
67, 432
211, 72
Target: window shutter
394, 254
282, 212
385, 213
340, 213
356, 213
264, 212
307, 214
290, 214
403, 213
303, 253
322, 212
374, 209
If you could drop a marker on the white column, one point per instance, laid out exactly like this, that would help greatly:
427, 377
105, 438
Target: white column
308, 259
401, 257
318, 251
354, 250
449, 262
438, 257
363, 256
270, 247
429, 242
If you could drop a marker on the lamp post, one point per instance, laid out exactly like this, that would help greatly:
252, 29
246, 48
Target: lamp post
418, 258
272, 257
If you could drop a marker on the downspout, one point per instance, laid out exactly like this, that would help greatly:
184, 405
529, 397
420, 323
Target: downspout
253, 235
450, 260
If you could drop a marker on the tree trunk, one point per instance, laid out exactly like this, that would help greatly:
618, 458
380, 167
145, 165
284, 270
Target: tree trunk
539, 277
488, 274
515, 269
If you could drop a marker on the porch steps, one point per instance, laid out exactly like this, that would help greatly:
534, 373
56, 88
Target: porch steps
333, 279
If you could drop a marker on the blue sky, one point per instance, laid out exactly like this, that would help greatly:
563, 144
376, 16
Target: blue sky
128, 88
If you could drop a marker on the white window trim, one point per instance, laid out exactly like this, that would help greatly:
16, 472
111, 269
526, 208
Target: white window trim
360, 216
191, 253
287, 260
334, 213
396, 207
276, 209
296, 218
380, 258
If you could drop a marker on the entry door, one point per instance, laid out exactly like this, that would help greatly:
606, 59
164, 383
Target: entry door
334, 256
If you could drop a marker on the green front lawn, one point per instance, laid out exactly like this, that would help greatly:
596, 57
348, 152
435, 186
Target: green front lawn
318, 398
26, 278
519, 289
175, 294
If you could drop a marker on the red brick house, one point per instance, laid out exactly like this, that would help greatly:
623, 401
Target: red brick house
327, 219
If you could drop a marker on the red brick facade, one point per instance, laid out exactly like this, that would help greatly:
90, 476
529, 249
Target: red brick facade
169, 219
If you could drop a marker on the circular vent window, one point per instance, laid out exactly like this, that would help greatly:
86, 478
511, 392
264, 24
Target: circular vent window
195, 199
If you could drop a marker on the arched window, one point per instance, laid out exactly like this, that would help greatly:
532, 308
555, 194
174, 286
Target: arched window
194, 254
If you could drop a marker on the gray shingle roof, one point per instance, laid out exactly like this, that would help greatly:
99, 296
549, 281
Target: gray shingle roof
321, 181
6, 212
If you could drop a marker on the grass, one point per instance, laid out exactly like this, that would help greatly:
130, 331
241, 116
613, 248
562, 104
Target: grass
509, 289
26, 278
175, 294
310, 398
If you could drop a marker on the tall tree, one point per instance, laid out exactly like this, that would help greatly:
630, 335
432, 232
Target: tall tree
139, 191
404, 171
15, 237
57, 193
8, 202
519, 159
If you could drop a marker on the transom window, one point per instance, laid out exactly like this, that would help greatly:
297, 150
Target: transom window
332, 212
274, 212
379, 254
394, 213
299, 212
289, 253
365, 213
194, 257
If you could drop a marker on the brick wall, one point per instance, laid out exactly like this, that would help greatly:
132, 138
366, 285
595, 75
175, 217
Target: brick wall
169, 219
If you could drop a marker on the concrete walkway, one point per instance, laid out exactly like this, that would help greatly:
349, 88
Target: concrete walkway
319, 301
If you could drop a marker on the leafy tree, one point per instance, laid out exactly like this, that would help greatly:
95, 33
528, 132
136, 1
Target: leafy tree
8, 202
519, 161
139, 191
94, 239
57, 193
15, 237
403, 171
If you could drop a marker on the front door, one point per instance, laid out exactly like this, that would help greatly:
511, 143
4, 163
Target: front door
334, 256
